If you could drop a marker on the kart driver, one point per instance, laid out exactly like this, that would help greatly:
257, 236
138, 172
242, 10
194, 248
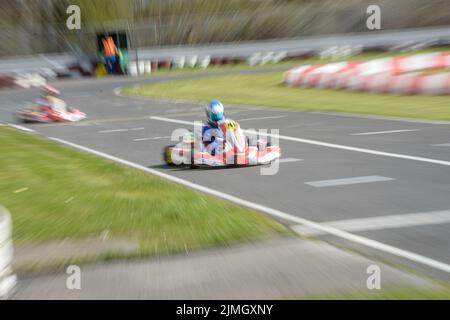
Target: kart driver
50, 99
212, 134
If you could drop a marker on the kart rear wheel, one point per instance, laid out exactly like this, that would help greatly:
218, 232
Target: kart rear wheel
167, 155
192, 158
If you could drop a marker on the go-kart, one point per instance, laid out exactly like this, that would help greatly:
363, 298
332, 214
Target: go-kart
39, 113
235, 150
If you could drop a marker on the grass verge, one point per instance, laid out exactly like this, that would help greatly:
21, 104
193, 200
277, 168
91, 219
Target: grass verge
266, 90
402, 293
56, 193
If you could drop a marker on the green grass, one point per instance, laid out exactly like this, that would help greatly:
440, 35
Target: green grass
266, 90
74, 195
403, 293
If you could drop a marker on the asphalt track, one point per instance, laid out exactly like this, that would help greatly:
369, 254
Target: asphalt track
309, 183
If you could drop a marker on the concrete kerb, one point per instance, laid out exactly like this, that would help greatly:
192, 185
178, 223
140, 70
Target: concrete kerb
8, 279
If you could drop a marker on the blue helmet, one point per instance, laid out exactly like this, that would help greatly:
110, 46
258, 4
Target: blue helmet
214, 111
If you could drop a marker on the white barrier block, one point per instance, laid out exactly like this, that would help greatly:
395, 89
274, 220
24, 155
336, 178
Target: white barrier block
279, 56
147, 67
327, 53
28, 80
204, 62
132, 69
141, 67
254, 59
191, 61
266, 58
179, 62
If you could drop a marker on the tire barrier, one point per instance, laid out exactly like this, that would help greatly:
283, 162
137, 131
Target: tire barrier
24, 80
397, 75
7, 82
7, 278
180, 62
141, 67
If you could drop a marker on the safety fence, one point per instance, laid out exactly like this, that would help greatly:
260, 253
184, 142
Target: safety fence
416, 74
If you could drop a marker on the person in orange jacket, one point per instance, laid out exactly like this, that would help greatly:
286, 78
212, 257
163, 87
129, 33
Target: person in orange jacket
109, 52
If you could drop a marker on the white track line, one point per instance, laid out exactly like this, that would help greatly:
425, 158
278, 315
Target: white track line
21, 127
384, 222
260, 118
276, 213
120, 130
113, 130
382, 118
152, 138
383, 132
285, 160
441, 145
346, 181
329, 145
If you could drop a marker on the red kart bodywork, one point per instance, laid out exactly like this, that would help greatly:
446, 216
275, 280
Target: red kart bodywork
252, 155
235, 151
47, 114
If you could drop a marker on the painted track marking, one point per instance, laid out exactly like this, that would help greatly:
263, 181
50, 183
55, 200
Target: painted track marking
151, 138
113, 130
260, 118
285, 160
120, 130
22, 128
347, 181
275, 213
383, 132
375, 117
383, 222
329, 145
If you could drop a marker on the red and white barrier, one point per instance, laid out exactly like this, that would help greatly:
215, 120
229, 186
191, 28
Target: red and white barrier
399, 75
